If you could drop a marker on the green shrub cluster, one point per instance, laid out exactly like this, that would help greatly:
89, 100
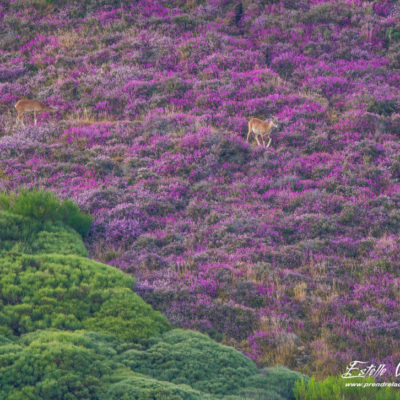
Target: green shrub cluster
20, 234
71, 292
53, 369
144, 388
43, 206
56, 365
280, 378
191, 358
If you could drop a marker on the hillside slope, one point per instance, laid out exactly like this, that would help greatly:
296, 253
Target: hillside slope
72, 328
291, 254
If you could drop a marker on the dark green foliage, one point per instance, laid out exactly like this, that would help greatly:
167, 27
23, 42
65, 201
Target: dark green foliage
126, 315
35, 222
192, 358
71, 216
58, 365
144, 388
54, 364
16, 229
257, 394
43, 206
55, 370
58, 239
281, 379
24, 234
71, 292
101, 343
61, 290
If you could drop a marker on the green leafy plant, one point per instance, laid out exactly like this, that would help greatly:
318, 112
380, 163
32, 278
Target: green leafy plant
281, 379
72, 292
43, 206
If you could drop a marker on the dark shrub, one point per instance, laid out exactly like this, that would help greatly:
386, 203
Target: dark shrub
194, 359
281, 379
43, 206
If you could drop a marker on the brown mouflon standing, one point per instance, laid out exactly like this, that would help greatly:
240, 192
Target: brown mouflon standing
25, 105
261, 129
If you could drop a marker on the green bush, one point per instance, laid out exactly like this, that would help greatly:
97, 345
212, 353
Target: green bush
188, 357
281, 379
54, 371
40, 206
257, 394
334, 388
101, 343
72, 292
53, 365
73, 217
127, 316
43, 206
16, 230
26, 235
144, 388
58, 239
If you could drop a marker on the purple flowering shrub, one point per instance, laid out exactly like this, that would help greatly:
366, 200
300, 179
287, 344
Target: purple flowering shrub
291, 253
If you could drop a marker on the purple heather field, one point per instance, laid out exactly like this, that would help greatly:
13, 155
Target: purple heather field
290, 254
